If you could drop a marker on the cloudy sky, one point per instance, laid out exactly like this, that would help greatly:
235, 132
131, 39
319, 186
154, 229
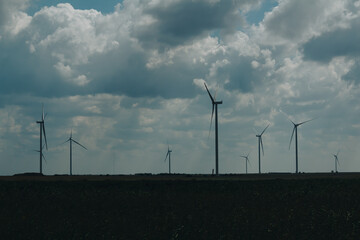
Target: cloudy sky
127, 78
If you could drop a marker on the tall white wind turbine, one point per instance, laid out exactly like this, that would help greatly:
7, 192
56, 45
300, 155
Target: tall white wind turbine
260, 144
71, 140
215, 107
246, 161
336, 160
296, 125
42, 133
168, 154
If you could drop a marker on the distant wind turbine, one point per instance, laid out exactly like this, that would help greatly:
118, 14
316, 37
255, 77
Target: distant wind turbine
246, 161
336, 160
260, 144
71, 140
214, 106
168, 154
296, 125
42, 132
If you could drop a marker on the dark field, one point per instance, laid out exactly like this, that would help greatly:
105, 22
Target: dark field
270, 206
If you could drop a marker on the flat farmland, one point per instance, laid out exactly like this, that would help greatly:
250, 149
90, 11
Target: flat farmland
267, 206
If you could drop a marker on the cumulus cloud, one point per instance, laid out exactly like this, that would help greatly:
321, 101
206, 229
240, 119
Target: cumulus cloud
131, 80
13, 19
298, 21
337, 43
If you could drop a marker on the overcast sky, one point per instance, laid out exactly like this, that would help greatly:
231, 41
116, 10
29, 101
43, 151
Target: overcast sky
127, 78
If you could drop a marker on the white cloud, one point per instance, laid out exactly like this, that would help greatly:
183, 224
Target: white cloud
132, 80
13, 19
298, 21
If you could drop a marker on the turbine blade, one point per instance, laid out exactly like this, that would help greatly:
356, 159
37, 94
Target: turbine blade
262, 146
255, 132
212, 99
42, 114
78, 143
212, 116
167, 154
43, 125
65, 141
44, 158
292, 135
338, 153
217, 88
264, 130
306, 121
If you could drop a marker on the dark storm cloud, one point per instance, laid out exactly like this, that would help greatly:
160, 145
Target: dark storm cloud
341, 42
184, 20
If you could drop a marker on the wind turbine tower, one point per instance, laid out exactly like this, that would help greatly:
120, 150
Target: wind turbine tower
42, 132
296, 125
260, 144
336, 160
246, 161
215, 106
71, 140
168, 154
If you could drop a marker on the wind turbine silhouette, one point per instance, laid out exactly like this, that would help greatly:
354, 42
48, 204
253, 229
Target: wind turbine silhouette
71, 140
42, 132
214, 106
296, 125
336, 160
260, 143
168, 154
246, 161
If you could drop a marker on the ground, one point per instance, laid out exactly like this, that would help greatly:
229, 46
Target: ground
267, 206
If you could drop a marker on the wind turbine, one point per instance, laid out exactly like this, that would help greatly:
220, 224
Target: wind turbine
246, 161
296, 125
260, 143
42, 132
168, 154
336, 160
71, 140
214, 106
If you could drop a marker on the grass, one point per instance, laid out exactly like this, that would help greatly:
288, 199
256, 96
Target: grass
154, 207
